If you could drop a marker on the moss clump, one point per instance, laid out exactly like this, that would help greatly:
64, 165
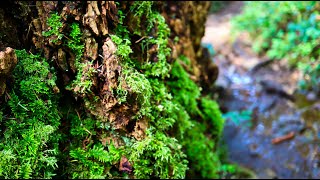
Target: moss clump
204, 116
82, 84
88, 157
30, 121
54, 22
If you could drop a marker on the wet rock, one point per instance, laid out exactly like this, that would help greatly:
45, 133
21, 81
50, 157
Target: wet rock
270, 173
260, 65
275, 88
286, 124
311, 96
268, 103
253, 148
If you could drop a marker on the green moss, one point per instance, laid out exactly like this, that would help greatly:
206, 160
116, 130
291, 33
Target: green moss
200, 150
211, 113
158, 156
123, 46
88, 157
171, 104
75, 43
202, 119
55, 24
30, 138
141, 9
184, 89
161, 67
85, 71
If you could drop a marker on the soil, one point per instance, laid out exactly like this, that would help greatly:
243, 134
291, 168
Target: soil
281, 137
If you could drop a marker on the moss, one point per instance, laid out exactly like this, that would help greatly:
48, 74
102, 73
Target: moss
30, 137
55, 25
85, 71
169, 101
88, 157
212, 114
184, 89
203, 118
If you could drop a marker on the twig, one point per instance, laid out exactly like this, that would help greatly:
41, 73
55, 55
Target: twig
283, 138
22, 106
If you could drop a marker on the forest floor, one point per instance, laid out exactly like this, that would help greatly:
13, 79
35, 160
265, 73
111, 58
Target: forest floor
271, 128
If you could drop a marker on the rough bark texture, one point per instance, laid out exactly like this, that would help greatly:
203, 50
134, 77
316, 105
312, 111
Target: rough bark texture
187, 21
23, 27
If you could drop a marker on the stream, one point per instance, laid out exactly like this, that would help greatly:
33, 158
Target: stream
271, 127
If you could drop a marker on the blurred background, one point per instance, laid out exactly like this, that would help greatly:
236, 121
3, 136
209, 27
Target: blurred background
268, 85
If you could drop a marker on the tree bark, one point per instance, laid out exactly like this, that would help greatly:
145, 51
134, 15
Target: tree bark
22, 28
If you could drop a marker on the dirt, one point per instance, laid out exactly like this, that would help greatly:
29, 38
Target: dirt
281, 137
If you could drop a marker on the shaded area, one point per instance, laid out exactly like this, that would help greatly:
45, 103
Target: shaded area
266, 91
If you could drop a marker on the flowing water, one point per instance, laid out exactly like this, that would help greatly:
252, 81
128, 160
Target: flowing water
262, 105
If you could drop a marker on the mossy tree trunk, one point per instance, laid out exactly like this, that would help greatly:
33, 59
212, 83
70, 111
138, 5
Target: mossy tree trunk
23, 23
113, 63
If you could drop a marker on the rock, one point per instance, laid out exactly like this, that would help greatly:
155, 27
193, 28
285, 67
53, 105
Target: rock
253, 148
272, 87
270, 173
311, 96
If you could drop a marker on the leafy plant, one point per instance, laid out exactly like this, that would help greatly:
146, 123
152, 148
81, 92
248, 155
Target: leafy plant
55, 24
242, 118
285, 30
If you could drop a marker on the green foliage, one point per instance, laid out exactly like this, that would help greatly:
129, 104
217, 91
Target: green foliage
154, 20
82, 83
54, 22
158, 156
183, 88
200, 151
123, 45
137, 83
74, 43
88, 157
141, 9
161, 67
287, 30
85, 71
242, 118
92, 163
200, 148
212, 114
216, 6
30, 138
168, 105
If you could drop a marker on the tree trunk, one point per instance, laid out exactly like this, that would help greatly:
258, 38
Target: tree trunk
116, 90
